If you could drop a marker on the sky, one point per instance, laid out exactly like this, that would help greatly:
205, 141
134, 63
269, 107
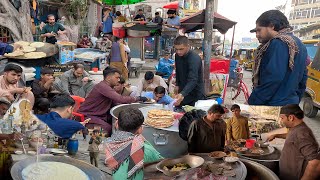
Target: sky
245, 13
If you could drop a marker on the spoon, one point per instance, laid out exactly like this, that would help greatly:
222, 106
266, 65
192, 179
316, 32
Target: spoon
24, 150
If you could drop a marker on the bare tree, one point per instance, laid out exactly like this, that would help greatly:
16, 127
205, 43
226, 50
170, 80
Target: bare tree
18, 21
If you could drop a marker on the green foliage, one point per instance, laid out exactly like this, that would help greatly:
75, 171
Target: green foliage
77, 9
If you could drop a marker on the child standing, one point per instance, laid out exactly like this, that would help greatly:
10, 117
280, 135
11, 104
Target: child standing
94, 143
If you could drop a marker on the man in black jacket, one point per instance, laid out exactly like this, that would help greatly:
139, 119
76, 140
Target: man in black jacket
189, 77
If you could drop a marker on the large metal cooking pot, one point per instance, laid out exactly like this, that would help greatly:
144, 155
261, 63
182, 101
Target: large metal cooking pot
91, 171
258, 171
270, 161
135, 33
165, 140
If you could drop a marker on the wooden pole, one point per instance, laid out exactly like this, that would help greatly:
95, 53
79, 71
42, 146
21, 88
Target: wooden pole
208, 29
231, 48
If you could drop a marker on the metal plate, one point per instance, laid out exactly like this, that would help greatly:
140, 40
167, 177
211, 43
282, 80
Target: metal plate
267, 151
91, 171
145, 110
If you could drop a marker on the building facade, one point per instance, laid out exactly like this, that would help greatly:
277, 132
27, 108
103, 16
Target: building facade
304, 13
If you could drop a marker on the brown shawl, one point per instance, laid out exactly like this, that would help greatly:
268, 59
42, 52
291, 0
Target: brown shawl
286, 38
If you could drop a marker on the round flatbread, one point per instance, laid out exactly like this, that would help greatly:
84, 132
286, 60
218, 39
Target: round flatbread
35, 55
22, 43
14, 54
28, 49
37, 44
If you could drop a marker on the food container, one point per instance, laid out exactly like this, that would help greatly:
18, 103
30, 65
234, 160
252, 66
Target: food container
165, 140
250, 143
192, 161
217, 154
137, 34
118, 29
230, 159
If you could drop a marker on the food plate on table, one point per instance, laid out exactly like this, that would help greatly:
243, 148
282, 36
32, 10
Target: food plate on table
58, 151
241, 149
150, 101
217, 154
231, 159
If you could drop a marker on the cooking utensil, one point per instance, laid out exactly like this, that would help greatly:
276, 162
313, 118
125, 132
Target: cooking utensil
24, 149
191, 160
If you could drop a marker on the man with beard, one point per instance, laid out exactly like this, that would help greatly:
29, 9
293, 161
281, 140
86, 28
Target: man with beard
279, 74
59, 119
76, 82
9, 84
102, 98
300, 157
173, 22
189, 77
52, 29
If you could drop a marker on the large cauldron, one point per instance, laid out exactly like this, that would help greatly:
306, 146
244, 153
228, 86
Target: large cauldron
258, 171
165, 140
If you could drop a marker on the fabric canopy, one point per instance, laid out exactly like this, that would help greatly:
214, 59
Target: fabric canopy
172, 5
221, 23
121, 2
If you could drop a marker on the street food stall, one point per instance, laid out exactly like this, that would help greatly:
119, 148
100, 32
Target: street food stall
163, 134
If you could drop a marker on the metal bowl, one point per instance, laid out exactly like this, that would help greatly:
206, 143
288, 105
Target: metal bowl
91, 171
192, 161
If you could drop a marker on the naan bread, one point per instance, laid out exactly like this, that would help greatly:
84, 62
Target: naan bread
27, 49
159, 118
37, 44
14, 54
22, 43
35, 55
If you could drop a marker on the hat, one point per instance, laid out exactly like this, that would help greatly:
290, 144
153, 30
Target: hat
253, 30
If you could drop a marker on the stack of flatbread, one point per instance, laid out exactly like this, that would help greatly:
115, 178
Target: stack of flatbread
35, 55
37, 44
28, 49
159, 118
14, 54
22, 43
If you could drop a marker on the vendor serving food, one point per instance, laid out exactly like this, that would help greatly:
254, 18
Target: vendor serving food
159, 96
52, 29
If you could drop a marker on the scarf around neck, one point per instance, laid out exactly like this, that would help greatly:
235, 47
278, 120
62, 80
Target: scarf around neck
124, 146
284, 36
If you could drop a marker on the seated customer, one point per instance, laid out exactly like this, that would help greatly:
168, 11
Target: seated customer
43, 90
149, 82
84, 42
76, 82
58, 120
208, 134
122, 89
102, 98
237, 125
127, 150
165, 66
9, 85
159, 95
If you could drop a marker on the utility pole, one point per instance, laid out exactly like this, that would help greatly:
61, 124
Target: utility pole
207, 41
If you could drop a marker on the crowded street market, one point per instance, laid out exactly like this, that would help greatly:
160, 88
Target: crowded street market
93, 105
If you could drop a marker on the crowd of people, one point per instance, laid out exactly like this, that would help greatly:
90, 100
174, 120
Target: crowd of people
279, 79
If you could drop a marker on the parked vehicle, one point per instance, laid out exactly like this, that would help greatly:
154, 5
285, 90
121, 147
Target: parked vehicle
311, 103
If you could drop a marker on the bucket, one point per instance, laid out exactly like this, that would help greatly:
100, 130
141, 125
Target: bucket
250, 143
95, 69
73, 146
119, 32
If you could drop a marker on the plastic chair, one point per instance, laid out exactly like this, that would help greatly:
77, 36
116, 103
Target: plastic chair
78, 101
